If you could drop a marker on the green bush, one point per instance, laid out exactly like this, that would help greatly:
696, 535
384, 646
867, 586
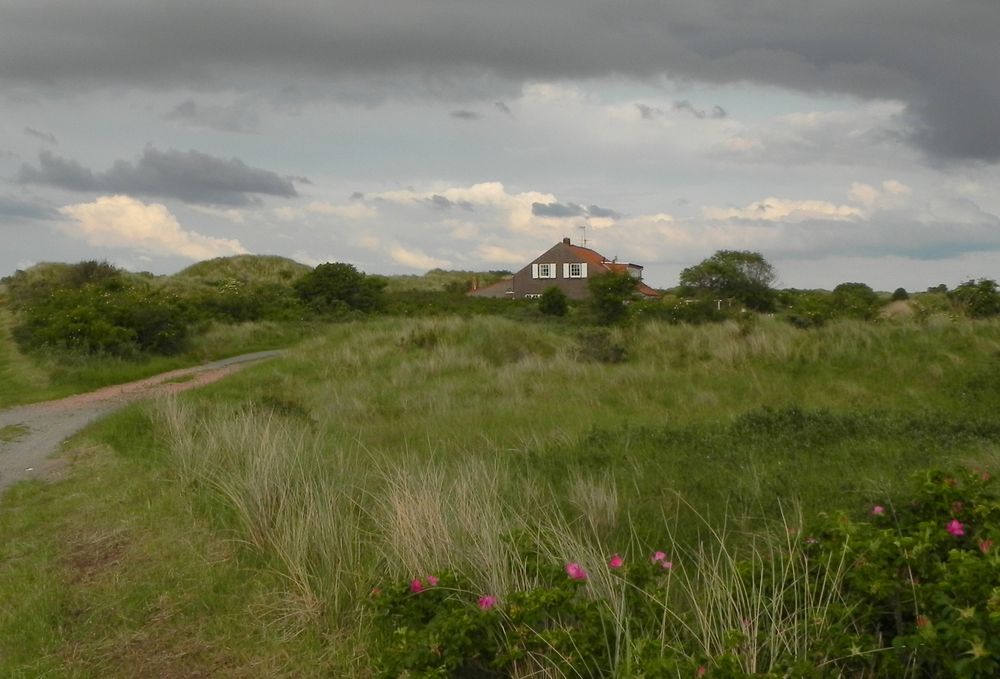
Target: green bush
442, 627
854, 300
94, 308
553, 302
609, 293
977, 299
237, 301
806, 308
339, 287
924, 584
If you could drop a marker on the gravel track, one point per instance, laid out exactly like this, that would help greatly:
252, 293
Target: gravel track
38, 429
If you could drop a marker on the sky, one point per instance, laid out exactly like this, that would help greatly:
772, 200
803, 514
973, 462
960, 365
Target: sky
846, 141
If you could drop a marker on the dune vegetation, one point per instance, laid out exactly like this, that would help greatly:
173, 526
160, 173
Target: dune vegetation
426, 484
294, 511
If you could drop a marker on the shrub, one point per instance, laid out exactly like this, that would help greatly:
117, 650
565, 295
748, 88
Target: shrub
675, 310
441, 626
609, 293
806, 308
553, 302
925, 580
113, 316
854, 300
340, 287
977, 299
92, 307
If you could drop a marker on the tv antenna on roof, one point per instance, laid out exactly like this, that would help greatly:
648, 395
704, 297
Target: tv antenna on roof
584, 229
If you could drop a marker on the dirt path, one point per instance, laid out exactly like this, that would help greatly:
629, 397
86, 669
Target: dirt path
30, 434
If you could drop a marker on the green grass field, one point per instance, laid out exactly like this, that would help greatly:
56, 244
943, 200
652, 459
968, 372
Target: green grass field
239, 530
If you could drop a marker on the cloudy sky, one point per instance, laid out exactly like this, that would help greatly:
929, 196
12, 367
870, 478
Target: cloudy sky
855, 140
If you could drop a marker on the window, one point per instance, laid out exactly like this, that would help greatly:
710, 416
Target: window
575, 270
543, 270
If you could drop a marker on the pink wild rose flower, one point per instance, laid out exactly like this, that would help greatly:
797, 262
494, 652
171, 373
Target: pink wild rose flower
575, 571
486, 602
956, 528
658, 557
877, 510
416, 586
616, 561
432, 580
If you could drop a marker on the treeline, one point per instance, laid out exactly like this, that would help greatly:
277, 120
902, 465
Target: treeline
93, 307
96, 308
729, 284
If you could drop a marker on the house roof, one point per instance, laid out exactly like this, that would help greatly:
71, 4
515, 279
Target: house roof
596, 259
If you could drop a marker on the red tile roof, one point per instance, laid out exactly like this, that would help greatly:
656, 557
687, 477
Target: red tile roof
599, 260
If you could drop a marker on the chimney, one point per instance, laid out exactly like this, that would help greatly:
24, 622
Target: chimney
565, 241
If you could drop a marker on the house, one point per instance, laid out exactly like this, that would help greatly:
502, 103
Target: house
565, 266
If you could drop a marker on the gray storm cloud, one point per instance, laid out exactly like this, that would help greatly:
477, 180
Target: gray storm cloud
46, 137
571, 210
17, 207
941, 59
232, 118
557, 210
190, 176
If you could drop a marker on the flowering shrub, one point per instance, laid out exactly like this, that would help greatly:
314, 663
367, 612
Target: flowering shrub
918, 596
925, 579
451, 630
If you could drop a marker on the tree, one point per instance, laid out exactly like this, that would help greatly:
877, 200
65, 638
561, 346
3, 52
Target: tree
978, 299
900, 294
553, 302
739, 274
339, 287
608, 294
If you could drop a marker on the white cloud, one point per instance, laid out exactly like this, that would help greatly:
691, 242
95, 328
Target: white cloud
892, 194
415, 259
781, 210
121, 221
501, 255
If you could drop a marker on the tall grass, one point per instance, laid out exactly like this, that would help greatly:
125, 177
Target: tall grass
393, 450
767, 592
291, 503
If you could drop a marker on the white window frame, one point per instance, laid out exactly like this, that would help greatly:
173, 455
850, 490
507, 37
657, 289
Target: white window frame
581, 270
543, 270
